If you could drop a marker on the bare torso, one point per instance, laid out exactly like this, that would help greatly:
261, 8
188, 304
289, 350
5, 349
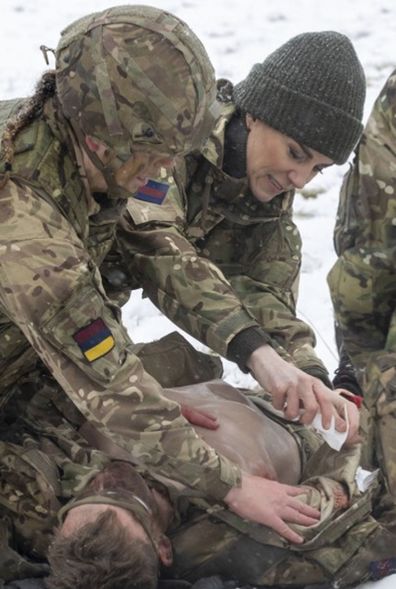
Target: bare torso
246, 435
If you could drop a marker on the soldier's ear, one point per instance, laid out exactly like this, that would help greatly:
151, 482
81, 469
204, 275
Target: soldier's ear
165, 552
92, 143
96, 146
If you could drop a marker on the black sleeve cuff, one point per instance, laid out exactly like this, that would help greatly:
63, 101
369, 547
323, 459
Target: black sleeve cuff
345, 376
244, 344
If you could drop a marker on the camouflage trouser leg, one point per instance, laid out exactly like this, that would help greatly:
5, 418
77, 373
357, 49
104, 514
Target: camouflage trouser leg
174, 362
27, 507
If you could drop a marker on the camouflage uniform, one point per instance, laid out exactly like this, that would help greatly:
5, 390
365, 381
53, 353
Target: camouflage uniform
44, 463
54, 235
350, 544
217, 262
363, 281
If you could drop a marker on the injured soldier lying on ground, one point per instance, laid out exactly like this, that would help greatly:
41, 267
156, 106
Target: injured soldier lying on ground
116, 528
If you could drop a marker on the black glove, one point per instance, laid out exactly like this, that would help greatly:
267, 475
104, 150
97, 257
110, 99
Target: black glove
345, 376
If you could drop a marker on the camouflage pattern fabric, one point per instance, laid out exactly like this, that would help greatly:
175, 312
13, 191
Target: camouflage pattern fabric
44, 462
114, 81
53, 307
212, 547
363, 280
338, 550
215, 260
173, 362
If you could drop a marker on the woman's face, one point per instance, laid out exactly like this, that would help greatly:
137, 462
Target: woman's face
276, 163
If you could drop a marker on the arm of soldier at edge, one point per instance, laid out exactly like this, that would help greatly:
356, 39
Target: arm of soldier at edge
362, 282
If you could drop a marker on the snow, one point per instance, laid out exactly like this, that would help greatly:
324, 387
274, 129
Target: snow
236, 35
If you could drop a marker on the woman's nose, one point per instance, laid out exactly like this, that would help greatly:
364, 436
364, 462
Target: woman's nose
299, 177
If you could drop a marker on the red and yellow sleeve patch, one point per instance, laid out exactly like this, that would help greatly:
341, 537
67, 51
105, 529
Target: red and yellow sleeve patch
94, 340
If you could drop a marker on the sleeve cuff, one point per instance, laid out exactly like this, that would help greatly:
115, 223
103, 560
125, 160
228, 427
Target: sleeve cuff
244, 344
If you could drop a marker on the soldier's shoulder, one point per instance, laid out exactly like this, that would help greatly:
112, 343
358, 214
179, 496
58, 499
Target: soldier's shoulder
384, 110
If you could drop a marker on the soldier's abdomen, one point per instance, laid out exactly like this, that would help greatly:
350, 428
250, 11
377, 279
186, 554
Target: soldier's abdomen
247, 436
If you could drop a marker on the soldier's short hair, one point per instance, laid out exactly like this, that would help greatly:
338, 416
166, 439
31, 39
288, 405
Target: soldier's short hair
103, 555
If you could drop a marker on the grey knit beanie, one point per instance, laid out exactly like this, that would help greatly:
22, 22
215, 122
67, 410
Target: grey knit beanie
312, 89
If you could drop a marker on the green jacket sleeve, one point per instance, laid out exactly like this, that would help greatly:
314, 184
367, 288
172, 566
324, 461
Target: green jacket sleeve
268, 288
52, 290
188, 288
362, 281
209, 299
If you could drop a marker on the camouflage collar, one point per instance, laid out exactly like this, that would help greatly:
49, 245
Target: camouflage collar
235, 143
213, 150
227, 187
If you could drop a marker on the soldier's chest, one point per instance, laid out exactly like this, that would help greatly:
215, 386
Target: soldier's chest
227, 242
227, 225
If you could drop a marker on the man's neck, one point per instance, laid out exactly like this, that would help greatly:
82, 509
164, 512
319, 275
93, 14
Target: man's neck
165, 510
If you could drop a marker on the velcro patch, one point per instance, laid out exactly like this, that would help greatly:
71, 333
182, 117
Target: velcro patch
94, 340
153, 192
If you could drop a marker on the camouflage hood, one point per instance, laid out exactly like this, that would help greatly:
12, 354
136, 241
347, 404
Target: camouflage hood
136, 75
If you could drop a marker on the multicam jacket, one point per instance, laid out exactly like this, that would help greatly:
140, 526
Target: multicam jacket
53, 307
363, 280
216, 261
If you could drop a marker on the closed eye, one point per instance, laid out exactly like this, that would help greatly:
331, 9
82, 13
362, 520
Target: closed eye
297, 155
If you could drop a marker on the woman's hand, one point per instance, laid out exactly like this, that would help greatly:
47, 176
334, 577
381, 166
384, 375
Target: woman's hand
272, 504
300, 395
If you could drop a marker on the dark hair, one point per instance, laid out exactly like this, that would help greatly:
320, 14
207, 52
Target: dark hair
102, 555
29, 110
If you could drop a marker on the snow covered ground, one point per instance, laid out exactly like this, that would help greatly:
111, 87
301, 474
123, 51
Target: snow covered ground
236, 34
